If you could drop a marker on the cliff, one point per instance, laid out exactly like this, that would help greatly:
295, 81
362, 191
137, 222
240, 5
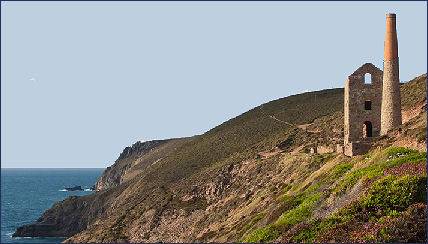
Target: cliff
253, 178
130, 161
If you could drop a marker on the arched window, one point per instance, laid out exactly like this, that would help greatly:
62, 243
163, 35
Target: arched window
367, 129
367, 78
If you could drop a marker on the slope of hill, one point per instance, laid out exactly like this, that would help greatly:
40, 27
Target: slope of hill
252, 179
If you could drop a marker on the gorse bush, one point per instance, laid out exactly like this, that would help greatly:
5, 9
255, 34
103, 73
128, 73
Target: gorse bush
294, 200
398, 151
263, 234
352, 177
339, 170
302, 206
390, 157
408, 226
298, 214
391, 193
319, 226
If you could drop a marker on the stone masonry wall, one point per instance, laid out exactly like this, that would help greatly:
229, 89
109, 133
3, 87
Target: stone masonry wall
356, 93
391, 98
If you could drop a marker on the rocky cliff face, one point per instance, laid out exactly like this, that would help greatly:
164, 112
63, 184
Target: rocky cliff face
114, 174
253, 179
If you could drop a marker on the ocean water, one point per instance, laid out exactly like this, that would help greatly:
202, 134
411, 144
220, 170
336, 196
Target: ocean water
27, 193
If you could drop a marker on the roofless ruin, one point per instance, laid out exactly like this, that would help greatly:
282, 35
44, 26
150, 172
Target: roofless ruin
372, 101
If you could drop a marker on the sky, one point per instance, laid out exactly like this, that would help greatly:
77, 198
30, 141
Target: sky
82, 80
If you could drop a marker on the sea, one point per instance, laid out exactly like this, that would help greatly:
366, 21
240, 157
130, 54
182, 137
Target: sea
27, 193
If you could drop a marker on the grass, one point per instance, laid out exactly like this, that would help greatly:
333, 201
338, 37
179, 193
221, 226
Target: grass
392, 194
301, 208
299, 213
319, 226
388, 196
264, 234
390, 157
414, 91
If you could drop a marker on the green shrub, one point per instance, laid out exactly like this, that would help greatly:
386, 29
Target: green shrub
408, 226
391, 194
264, 234
294, 200
299, 213
339, 170
305, 235
301, 206
391, 157
413, 157
317, 227
397, 151
352, 177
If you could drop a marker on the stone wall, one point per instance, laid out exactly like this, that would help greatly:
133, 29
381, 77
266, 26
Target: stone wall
325, 149
356, 148
357, 92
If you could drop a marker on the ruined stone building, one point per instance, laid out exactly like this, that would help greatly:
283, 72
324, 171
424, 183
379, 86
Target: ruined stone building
372, 101
362, 110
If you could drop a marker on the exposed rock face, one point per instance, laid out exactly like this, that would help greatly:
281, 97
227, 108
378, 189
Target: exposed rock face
140, 148
65, 218
113, 175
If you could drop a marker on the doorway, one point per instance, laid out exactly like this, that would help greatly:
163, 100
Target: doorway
367, 129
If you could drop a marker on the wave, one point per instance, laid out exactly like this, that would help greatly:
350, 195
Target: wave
86, 189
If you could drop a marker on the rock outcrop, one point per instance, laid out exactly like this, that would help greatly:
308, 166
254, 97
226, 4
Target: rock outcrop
114, 174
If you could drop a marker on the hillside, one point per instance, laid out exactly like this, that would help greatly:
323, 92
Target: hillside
252, 178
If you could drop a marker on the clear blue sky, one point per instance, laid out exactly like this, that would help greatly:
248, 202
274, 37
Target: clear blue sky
82, 80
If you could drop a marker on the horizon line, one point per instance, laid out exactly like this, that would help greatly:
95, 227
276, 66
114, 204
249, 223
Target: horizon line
52, 168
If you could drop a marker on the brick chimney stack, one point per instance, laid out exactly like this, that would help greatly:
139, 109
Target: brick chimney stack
391, 98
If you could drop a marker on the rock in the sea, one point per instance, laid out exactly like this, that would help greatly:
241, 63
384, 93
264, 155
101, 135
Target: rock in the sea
74, 188
38, 230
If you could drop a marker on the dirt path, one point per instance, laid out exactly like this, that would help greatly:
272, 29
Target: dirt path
285, 122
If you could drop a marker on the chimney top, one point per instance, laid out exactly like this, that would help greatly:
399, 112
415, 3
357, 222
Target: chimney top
391, 43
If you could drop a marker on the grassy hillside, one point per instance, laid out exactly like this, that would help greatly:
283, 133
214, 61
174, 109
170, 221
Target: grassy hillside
414, 92
214, 187
391, 187
267, 126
